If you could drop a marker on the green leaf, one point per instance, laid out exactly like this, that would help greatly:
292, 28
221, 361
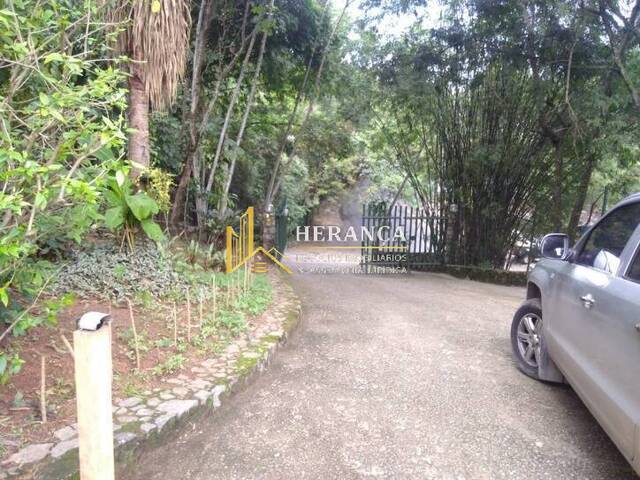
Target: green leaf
141, 205
155, 6
105, 154
4, 296
57, 115
53, 56
120, 178
153, 230
114, 218
40, 201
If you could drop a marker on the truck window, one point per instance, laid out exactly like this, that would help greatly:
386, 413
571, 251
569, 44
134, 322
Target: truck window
606, 242
634, 269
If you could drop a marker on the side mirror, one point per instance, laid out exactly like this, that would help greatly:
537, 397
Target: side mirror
555, 245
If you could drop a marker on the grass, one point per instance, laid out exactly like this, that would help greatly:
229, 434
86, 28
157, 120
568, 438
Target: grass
144, 344
258, 298
132, 383
170, 365
234, 306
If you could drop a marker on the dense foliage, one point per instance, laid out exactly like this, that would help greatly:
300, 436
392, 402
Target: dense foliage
574, 114
62, 130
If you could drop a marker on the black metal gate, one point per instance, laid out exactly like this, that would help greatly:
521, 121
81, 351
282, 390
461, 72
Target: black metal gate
401, 237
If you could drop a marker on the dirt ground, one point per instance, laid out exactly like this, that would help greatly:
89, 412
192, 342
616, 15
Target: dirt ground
395, 376
20, 418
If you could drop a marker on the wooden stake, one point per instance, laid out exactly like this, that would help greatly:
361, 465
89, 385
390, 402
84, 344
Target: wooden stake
244, 280
188, 317
68, 345
214, 299
43, 389
93, 377
135, 334
175, 325
200, 309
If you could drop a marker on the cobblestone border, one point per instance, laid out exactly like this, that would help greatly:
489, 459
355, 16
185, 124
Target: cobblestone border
144, 421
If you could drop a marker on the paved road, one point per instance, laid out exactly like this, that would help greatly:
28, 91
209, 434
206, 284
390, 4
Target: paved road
406, 376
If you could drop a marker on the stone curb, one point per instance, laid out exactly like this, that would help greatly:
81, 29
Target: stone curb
140, 423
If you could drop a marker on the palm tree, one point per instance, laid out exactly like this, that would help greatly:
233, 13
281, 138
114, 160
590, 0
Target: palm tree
156, 39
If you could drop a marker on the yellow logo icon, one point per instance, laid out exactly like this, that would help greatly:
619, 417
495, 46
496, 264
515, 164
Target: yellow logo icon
241, 250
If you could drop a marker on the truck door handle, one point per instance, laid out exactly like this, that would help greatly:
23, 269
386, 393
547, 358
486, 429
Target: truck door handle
588, 301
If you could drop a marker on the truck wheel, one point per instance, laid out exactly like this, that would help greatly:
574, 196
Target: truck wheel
526, 337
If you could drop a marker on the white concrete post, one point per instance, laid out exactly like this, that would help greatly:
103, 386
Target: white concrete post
93, 374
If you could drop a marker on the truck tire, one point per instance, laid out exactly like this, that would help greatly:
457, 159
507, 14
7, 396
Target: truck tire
527, 344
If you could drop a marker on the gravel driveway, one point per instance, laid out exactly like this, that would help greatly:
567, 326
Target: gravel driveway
404, 376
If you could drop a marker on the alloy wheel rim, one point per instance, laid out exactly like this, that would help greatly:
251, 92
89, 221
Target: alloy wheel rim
528, 338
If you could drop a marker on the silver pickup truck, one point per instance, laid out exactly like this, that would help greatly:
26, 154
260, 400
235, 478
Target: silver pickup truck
580, 323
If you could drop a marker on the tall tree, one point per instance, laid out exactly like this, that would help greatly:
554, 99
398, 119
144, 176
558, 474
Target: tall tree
227, 46
156, 40
224, 198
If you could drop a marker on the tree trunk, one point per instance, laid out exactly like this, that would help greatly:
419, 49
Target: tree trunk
222, 205
203, 193
556, 208
139, 121
204, 21
181, 192
581, 196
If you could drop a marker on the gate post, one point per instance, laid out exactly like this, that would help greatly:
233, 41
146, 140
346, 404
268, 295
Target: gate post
452, 232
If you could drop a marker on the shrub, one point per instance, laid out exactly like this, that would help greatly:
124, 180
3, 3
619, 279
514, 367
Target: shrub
127, 211
105, 271
63, 127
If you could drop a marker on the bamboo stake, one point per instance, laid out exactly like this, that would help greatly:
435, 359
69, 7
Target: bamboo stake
214, 299
43, 389
135, 334
234, 290
68, 345
244, 280
175, 325
200, 309
188, 316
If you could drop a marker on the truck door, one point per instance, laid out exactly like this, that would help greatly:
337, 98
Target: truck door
595, 310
